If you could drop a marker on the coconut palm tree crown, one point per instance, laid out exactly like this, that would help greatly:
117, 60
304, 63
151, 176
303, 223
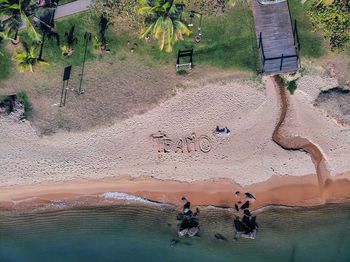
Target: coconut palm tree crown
163, 20
13, 13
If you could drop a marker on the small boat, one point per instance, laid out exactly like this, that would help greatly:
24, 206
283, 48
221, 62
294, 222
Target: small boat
191, 232
182, 232
250, 235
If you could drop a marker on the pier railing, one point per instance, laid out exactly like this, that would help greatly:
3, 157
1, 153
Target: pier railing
282, 57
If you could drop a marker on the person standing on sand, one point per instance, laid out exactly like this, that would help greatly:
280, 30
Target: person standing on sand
186, 206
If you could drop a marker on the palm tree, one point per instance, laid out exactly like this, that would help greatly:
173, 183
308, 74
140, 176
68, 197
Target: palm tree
318, 2
164, 22
28, 58
44, 19
14, 13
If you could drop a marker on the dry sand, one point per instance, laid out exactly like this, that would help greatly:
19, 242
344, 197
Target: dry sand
306, 120
248, 158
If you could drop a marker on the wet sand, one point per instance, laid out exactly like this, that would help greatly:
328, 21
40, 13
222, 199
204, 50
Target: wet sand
288, 191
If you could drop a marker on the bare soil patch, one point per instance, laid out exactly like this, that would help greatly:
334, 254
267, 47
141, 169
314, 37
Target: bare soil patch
337, 66
336, 102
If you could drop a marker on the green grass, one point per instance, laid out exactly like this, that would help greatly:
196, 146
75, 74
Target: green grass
312, 43
292, 86
228, 41
5, 64
53, 53
83, 23
22, 97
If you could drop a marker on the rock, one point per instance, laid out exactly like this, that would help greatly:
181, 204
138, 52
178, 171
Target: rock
173, 242
220, 237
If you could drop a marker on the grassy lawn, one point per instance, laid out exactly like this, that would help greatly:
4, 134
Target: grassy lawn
83, 23
53, 53
312, 44
228, 41
5, 64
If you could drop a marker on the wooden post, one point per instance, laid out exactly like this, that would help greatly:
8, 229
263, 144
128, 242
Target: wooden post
281, 62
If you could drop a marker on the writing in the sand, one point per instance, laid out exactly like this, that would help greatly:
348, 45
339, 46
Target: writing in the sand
187, 144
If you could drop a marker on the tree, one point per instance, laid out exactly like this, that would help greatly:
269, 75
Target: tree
44, 20
104, 11
27, 58
108, 8
318, 2
334, 21
71, 39
163, 19
14, 13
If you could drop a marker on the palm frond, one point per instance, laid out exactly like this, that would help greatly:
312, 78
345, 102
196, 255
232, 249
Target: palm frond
27, 58
164, 23
144, 10
170, 35
32, 33
147, 31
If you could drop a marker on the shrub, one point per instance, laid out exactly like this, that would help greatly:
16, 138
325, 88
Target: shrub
334, 21
22, 97
292, 86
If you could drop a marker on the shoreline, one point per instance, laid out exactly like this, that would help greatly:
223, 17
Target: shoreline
277, 191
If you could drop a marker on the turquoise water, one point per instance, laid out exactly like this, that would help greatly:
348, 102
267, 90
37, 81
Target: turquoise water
143, 233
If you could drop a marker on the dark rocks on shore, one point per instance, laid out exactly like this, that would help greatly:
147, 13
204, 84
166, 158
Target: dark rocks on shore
189, 224
173, 242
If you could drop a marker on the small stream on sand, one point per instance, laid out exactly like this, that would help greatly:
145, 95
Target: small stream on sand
297, 142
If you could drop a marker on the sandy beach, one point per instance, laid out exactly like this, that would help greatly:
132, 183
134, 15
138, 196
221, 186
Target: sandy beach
171, 151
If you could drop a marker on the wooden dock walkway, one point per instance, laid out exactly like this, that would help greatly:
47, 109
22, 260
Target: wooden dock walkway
277, 39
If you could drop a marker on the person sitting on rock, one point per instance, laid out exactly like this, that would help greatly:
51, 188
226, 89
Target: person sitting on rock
187, 206
196, 214
238, 224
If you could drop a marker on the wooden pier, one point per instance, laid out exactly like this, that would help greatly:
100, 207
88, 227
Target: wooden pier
277, 38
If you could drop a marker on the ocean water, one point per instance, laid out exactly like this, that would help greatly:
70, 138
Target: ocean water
137, 232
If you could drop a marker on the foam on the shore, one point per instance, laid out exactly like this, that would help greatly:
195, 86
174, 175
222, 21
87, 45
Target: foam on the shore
128, 197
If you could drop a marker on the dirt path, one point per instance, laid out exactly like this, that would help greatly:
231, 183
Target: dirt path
297, 142
72, 8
